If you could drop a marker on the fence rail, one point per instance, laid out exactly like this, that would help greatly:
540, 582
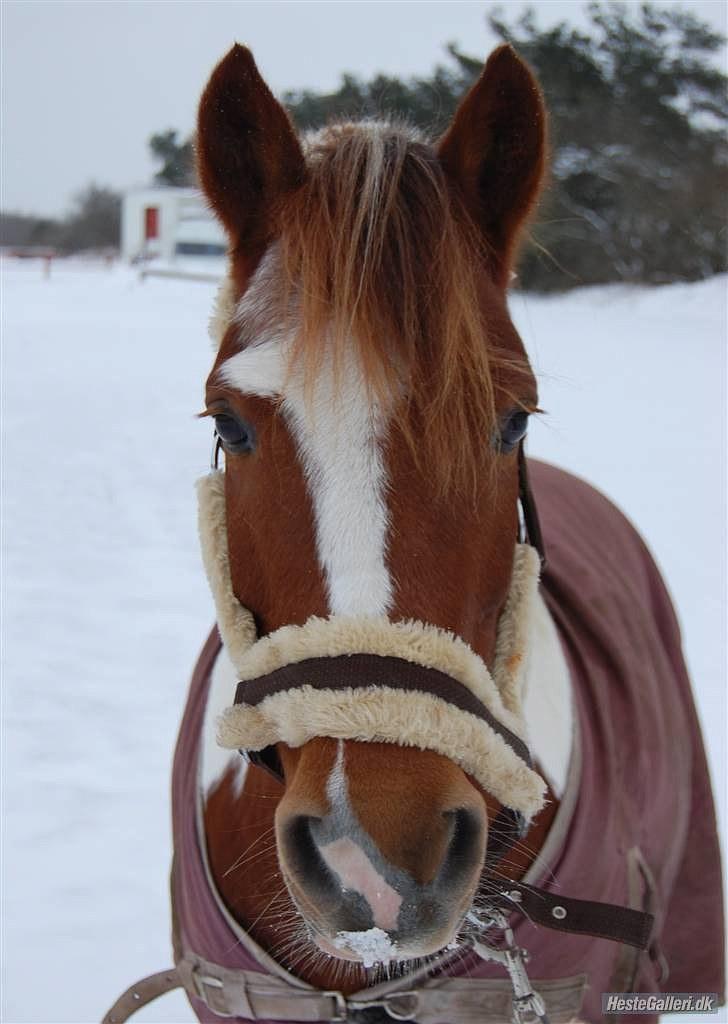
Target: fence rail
180, 275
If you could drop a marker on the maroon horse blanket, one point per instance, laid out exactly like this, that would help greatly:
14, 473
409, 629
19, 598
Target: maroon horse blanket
636, 825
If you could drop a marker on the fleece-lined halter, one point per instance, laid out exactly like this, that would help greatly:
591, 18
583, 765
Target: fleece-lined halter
366, 678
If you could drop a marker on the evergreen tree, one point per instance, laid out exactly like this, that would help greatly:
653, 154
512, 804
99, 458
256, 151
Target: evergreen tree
426, 102
638, 109
177, 159
639, 153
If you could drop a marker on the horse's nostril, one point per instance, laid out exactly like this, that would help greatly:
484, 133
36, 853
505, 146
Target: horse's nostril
319, 881
301, 847
466, 842
303, 855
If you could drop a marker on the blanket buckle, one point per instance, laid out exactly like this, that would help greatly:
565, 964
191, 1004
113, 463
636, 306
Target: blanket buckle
341, 1005
211, 991
401, 1006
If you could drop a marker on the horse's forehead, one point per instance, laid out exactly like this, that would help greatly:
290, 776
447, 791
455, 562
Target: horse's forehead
238, 320
263, 320
258, 370
249, 334
254, 358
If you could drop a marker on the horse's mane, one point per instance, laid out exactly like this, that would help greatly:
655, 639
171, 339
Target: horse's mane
382, 257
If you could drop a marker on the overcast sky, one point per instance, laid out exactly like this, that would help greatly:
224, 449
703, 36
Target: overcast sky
84, 84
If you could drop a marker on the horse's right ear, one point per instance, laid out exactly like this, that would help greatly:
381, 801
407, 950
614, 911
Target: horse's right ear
248, 155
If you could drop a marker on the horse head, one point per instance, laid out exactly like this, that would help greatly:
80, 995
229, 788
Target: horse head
371, 395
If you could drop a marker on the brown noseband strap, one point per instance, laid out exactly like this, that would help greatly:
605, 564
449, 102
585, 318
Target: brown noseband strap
362, 671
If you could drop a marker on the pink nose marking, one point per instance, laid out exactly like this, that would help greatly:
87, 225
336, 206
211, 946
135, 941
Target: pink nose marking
358, 873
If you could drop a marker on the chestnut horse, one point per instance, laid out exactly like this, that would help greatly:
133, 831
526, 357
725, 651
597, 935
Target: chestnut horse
371, 396
374, 506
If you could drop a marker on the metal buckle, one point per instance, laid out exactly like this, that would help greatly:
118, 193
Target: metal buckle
211, 991
342, 1011
403, 1014
389, 1005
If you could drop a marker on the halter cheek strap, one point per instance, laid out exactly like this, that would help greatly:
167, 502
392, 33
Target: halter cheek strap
531, 533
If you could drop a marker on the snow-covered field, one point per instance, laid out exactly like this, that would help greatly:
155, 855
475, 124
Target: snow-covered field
105, 603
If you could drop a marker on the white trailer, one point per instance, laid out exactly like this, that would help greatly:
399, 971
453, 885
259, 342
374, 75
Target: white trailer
167, 223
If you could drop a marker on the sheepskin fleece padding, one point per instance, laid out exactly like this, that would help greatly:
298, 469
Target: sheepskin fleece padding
415, 642
236, 623
382, 714
514, 630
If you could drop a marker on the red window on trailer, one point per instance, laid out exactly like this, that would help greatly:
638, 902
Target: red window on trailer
151, 222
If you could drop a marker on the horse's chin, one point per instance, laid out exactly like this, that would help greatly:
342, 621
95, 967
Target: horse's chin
326, 946
366, 948
373, 946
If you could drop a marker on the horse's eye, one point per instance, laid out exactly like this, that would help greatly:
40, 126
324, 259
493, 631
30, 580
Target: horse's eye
513, 429
237, 436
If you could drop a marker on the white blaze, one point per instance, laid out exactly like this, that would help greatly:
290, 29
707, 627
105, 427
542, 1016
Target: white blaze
339, 432
336, 786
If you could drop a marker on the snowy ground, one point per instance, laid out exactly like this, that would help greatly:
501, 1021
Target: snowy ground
106, 605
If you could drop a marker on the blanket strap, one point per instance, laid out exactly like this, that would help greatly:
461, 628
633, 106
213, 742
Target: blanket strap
141, 993
253, 996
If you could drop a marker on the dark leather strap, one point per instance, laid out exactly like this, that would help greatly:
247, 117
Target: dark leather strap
358, 671
250, 995
565, 914
532, 526
267, 759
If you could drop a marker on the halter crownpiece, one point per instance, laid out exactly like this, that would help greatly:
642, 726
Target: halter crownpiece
367, 678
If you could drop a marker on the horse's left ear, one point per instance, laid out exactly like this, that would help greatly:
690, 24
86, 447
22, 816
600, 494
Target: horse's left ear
495, 151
